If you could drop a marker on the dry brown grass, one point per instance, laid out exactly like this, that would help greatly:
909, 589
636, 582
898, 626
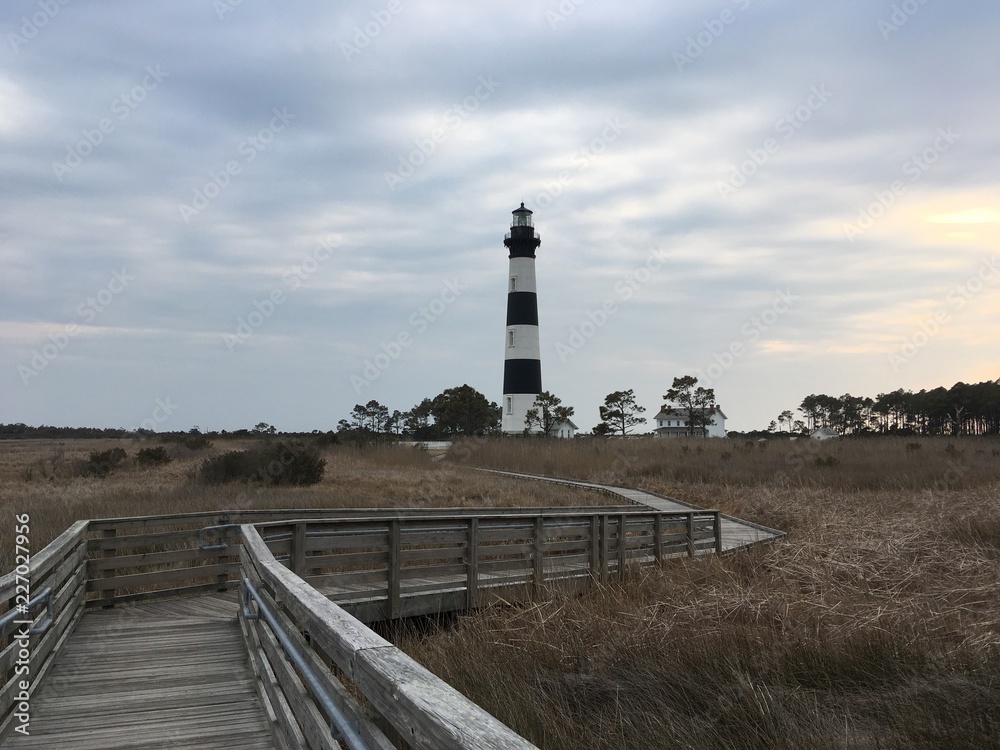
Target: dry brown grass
876, 624
875, 463
37, 477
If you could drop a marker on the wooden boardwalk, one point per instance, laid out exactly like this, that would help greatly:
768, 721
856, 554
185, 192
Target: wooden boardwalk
169, 674
736, 533
159, 670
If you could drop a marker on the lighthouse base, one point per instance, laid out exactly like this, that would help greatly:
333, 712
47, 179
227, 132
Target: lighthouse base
515, 409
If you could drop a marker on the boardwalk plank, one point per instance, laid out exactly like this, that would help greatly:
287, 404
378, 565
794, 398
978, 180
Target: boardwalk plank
161, 675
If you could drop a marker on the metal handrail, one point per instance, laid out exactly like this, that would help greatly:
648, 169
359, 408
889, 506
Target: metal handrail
43, 598
223, 527
341, 726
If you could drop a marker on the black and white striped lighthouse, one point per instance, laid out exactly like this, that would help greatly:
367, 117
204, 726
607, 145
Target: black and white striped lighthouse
522, 364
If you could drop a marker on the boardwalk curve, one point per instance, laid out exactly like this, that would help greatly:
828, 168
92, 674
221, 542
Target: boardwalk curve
247, 628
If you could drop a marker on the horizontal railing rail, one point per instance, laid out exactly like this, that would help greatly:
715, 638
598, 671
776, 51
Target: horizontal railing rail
145, 558
40, 603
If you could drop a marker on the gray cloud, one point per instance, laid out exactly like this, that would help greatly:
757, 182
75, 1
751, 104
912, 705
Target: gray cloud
377, 89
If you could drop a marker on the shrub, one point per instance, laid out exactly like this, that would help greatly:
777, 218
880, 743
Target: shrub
231, 466
197, 443
102, 463
289, 463
275, 463
152, 456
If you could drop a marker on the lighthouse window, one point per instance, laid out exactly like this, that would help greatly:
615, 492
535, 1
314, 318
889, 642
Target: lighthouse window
510, 339
510, 405
513, 283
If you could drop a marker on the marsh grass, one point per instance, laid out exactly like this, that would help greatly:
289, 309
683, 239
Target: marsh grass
850, 464
876, 624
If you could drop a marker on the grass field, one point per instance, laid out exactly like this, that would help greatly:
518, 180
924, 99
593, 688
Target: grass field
875, 624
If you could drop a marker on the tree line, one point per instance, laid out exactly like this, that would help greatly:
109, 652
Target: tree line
963, 409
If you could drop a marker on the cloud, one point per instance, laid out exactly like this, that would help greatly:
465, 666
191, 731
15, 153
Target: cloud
586, 117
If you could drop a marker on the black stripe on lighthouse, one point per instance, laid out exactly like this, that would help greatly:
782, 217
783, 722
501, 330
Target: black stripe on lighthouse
522, 309
522, 376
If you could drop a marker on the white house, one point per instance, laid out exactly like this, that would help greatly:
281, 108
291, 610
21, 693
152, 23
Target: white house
672, 422
824, 433
564, 429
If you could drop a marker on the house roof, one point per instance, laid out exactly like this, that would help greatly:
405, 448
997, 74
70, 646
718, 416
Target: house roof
668, 412
566, 422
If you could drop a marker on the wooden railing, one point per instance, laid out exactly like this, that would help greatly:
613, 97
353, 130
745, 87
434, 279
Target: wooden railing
152, 557
26, 658
399, 566
387, 568
405, 700
381, 564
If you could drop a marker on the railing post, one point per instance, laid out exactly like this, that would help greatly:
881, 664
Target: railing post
658, 538
718, 532
223, 557
622, 547
393, 569
109, 594
690, 534
605, 563
472, 561
595, 547
297, 554
539, 540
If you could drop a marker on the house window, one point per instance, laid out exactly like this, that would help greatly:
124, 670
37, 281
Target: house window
513, 283
510, 405
510, 339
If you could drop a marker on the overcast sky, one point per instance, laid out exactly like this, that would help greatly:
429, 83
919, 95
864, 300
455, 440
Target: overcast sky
218, 213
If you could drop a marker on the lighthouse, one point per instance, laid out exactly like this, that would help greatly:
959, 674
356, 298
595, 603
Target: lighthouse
522, 365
